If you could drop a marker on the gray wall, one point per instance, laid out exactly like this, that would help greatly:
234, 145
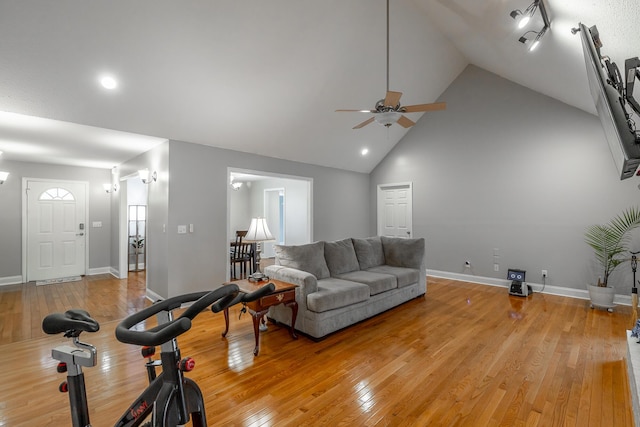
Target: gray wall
240, 209
11, 212
198, 183
505, 167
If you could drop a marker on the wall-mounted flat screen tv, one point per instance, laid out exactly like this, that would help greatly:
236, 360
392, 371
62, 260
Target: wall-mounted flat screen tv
623, 142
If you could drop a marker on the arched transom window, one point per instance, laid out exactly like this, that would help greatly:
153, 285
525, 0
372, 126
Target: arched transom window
56, 194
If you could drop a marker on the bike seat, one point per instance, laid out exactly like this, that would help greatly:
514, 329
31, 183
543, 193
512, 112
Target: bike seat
71, 322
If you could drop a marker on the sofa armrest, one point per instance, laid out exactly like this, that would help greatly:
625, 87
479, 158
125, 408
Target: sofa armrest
307, 282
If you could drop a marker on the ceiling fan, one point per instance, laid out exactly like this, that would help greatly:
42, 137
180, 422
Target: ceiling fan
388, 111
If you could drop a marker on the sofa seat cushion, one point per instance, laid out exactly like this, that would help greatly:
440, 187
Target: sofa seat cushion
334, 293
340, 257
377, 282
369, 252
309, 258
405, 276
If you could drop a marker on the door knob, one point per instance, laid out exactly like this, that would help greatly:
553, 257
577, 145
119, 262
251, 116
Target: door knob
79, 234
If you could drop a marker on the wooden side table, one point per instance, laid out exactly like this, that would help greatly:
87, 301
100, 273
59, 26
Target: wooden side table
285, 293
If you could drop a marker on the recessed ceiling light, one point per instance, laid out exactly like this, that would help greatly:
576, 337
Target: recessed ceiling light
364, 151
108, 82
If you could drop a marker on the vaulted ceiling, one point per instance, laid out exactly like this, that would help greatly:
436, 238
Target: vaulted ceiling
266, 76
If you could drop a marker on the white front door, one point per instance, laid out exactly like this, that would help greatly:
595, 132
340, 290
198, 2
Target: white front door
395, 206
56, 229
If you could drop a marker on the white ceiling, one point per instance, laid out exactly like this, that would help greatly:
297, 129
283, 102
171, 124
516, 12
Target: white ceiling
266, 76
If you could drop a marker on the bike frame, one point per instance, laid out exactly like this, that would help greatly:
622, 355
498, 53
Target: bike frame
166, 398
170, 398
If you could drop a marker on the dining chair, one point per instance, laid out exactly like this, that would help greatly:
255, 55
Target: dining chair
241, 255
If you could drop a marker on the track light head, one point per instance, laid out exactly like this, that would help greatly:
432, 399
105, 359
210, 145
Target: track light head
522, 19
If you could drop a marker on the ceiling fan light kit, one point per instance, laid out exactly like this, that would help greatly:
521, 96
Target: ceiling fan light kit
523, 18
388, 111
387, 118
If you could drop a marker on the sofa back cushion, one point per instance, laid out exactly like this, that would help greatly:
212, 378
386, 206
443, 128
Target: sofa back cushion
340, 257
400, 252
369, 252
309, 258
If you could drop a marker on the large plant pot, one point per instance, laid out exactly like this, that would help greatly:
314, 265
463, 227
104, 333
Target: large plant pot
602, 297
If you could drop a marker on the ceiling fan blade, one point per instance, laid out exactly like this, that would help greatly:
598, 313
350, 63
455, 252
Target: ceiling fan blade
363, 124
405, 122
357, 111
437, 106
392, 99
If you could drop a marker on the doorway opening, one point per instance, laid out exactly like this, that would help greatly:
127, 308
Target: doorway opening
133, 226
283, 200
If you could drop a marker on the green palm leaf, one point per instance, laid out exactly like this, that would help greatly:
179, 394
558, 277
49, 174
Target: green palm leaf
610, 241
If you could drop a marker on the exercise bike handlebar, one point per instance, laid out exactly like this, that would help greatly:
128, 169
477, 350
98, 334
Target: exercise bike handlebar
230, 300
219, 299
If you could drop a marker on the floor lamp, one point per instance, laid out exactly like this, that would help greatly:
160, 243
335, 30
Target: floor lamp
258, 232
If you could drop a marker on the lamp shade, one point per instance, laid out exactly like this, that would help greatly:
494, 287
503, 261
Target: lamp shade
258, 231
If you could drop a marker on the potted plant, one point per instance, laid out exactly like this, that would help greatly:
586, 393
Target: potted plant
609, 243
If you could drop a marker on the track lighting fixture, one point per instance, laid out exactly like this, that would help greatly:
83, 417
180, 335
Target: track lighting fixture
523, 18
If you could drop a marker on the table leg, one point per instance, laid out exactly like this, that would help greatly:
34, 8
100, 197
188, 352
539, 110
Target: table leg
257, 317
294, 314
226, 322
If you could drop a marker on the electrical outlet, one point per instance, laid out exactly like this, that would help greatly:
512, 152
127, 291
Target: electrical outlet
544, 273
496, 267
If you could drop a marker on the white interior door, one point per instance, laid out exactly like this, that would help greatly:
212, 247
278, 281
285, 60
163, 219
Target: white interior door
56, 229
395, 210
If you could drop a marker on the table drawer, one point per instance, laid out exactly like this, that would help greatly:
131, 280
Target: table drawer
275, 299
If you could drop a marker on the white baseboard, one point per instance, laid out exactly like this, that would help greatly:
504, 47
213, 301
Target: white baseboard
537, 287
10, 280
99, 270
152, 296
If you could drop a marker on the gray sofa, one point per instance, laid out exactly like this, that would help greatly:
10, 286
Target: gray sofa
346, 281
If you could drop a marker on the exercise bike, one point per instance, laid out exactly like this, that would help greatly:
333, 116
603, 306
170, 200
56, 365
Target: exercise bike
170, 399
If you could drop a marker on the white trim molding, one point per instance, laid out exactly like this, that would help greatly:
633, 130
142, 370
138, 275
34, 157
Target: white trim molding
10, 280
99, 270
537, 287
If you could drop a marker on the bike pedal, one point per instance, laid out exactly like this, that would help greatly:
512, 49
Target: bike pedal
63, 387
62, 367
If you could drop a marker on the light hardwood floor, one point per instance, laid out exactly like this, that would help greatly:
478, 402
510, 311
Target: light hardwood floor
464, 355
